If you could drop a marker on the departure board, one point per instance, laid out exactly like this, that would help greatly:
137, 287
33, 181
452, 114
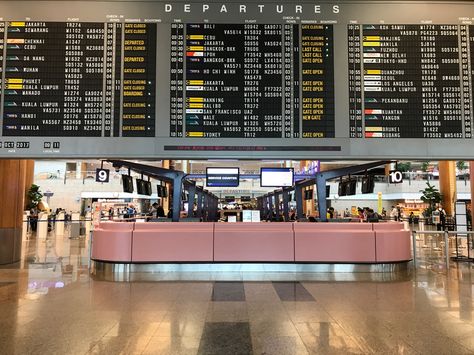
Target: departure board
53, 79
60, 79
237, 80
409, 81
242, 81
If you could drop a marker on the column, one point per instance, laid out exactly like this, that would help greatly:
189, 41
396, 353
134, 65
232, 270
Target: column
165, 164
13, 175
286, 214
199, 204
83, 170
310, 205
300, 213
191, 200
447, 184
78, 170
304, 203
185, 166
276, 198
30, 170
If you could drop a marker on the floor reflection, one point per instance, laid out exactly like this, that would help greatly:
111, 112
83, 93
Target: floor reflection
50, 305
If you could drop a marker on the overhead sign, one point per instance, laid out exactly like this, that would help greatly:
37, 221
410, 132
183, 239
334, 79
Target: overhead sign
102, 175
222, 177
237, 79
276, 177
395, 177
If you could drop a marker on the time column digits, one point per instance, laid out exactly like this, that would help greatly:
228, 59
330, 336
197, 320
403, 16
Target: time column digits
355, 83
54, 79
176, 80
139, 80
318, 81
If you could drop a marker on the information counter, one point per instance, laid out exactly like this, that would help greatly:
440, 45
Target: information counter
208, 242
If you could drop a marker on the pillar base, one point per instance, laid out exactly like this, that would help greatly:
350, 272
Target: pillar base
10, 245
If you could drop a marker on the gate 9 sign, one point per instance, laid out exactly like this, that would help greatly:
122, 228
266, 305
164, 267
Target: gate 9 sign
102, 175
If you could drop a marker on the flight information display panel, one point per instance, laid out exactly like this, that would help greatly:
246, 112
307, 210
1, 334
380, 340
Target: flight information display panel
233, 80
242, 81
60, 79
53, 79
409, 81
141, 79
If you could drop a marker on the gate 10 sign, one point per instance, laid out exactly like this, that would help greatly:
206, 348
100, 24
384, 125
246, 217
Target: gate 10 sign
395, 177
102, 175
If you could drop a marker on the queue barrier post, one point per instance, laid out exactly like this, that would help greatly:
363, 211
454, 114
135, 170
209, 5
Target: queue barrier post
42, 228
26, 217
60, 223
75, 230
413, 239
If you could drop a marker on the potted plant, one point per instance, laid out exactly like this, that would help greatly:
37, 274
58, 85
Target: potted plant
404, 166
461, 165
34, 196
425, 166
431, 196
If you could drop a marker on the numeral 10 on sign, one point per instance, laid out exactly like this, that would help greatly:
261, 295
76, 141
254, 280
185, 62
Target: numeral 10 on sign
395, 177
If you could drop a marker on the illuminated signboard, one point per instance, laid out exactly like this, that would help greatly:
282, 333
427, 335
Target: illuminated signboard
138, 79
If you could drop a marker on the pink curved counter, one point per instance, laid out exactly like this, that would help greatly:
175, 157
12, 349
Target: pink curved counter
113, 242
167, 241
391, 243
334, 242
254, 242
251, 242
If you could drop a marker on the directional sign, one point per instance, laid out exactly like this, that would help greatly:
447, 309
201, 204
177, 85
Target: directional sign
102, 175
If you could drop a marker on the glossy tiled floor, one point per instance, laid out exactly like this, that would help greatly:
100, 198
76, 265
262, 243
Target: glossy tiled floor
50, 305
